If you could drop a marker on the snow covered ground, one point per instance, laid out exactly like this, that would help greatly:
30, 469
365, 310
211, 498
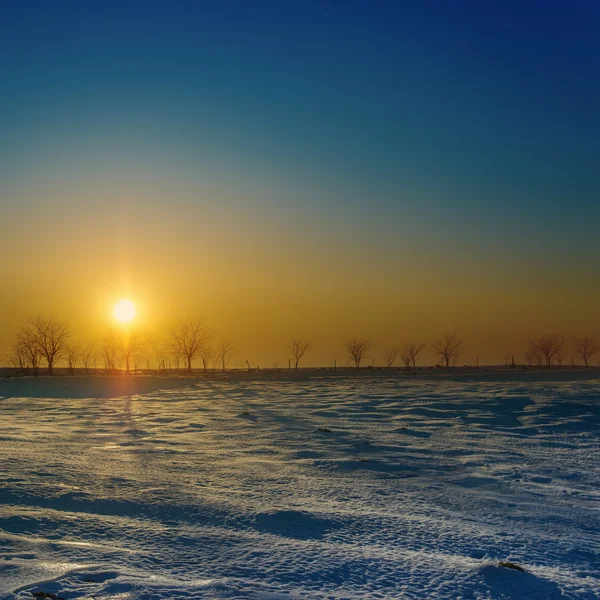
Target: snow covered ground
316, 487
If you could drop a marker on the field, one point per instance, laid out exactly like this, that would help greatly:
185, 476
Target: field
300, 487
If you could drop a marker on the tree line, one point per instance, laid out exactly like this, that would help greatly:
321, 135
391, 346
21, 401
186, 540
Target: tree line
45, 340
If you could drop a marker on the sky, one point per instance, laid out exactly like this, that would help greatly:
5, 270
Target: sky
303, 169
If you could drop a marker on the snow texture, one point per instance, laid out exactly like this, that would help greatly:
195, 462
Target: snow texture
354, 488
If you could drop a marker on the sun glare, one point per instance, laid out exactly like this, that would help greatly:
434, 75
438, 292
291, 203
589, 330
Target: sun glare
124, 311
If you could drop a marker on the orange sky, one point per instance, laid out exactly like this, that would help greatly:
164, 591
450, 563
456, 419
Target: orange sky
260, 279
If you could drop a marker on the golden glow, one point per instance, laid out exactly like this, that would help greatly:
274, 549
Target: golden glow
124, 311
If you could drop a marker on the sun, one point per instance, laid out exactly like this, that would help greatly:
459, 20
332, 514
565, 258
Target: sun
124, 311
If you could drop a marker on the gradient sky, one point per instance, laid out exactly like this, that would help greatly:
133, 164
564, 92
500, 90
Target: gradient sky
318, 169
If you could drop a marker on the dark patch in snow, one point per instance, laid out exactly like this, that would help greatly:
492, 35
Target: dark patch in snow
294, 524
511, 565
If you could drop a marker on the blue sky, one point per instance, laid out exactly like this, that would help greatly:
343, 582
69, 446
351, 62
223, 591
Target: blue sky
492, 104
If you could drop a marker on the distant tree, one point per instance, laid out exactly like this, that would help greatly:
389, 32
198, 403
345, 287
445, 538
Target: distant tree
18, 357
109, 356
89, 356
27, 349
127, 346
585, 348
405, 358
140, 359
189, 336
449, 347
389, 356
177, 358
546, 348
161, 357
299, 349
207, 354
412, 351
533, 354
225, 352
51, 336
72, 354
530, 358
357, 349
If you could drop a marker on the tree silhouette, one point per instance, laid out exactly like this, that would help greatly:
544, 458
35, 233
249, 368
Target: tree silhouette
109, 356
125, 347
411, 350
225, 353
207, 353
18, 357
357, 349
299, 348
585, 348
161, 357
89, 356
449, 347
26, 349
189, 336
546, 348
72, 354
389, 356
51, 336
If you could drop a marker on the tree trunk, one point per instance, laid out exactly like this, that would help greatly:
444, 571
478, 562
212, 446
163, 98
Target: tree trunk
50, 369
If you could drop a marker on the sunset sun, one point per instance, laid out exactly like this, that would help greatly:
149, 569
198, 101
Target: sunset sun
124, 311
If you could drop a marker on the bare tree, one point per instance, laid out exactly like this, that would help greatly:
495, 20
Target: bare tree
72, 354
405, 358
529, 361
533, 355
585, 348
18, 357
161, 357
225, 353
412, 351
109, 356
389, 356
51, 336
357, 349
449, 347
299, 349
127, 346
89, 356
207, 353
546, 348
27, 349
189, 336
139, 359
177, 358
